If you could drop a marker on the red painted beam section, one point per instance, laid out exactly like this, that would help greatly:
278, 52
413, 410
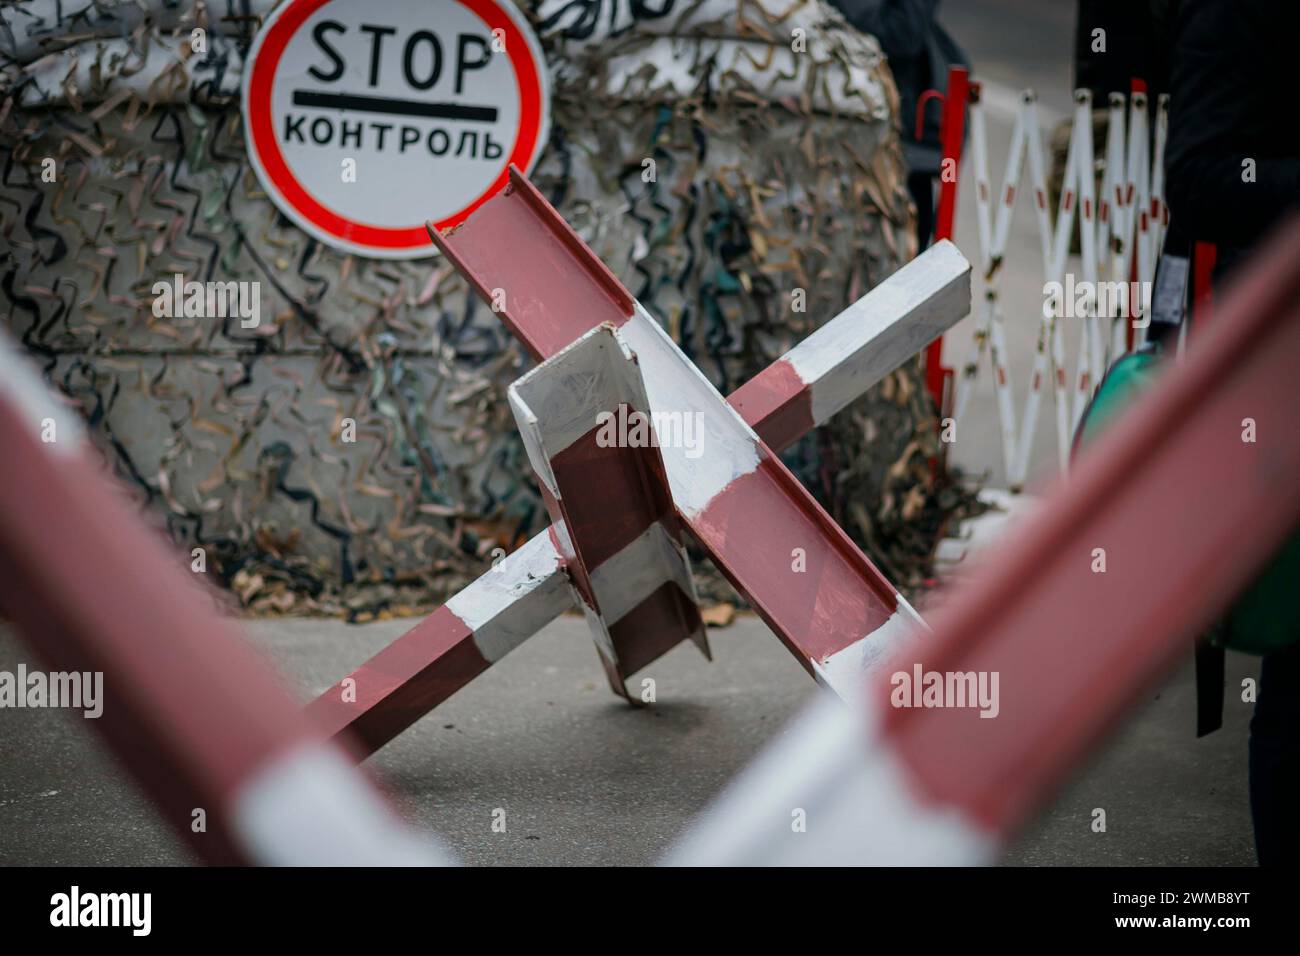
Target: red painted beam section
777, 404
541, 307
752, 530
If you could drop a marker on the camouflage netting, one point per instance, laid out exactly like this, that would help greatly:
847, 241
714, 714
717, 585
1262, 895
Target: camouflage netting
776, 178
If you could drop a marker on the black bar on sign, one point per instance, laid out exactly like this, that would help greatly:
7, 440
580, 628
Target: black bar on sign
385, 104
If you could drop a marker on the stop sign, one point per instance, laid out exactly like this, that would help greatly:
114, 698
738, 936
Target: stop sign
364, 120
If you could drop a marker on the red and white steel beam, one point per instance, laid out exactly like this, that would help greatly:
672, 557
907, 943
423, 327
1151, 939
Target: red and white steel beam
811, 584
588, 430
1185, 514
198, 720
528, 588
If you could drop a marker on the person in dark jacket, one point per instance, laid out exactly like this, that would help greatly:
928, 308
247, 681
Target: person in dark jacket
920, 53
1233, 156
1117, 42
1232, 166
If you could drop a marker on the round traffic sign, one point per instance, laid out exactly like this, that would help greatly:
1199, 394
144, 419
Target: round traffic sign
364, 120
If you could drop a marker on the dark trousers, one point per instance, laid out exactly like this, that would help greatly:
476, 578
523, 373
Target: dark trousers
921, 186
1275, 759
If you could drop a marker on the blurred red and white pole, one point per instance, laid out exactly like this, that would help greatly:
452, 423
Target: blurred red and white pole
1182, 511
210, 735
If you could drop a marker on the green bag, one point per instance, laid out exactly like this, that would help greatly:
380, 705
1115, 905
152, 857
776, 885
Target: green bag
1266, 617
1122, 386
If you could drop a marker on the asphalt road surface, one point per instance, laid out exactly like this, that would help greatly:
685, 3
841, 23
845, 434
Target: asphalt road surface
585, 779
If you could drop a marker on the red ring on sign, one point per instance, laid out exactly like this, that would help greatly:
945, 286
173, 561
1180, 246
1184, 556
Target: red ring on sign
277, 169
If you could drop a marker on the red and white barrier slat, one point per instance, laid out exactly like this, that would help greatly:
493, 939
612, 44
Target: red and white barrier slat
990, 333
590, 437
815, 589
188, 708
1172, 487
1091, 359
1114, 205
1126, 217
530, 587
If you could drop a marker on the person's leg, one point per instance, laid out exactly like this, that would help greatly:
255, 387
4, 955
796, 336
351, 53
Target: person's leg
921, 186
1275, 759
